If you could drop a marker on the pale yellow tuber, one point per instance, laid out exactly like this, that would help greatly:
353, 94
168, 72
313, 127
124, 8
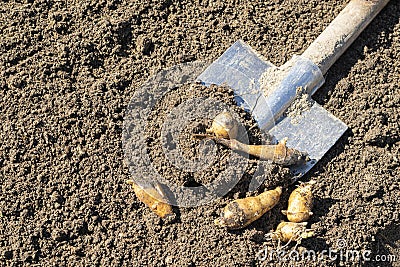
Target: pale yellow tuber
241, 212
279, 154
290, 231
300, 203
154, 198
224, 125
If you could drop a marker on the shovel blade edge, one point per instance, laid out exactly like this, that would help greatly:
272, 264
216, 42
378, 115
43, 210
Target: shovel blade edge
314, 131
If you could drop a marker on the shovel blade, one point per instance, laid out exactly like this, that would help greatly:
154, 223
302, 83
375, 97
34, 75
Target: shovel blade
315, 131
240, 67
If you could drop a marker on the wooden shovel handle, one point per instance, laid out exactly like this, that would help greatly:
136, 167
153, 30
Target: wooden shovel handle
342, 31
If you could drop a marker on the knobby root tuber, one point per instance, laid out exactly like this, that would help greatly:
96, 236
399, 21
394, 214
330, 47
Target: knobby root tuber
241, 212
279, 154
300, 203
290, 231
224, 126
154, 198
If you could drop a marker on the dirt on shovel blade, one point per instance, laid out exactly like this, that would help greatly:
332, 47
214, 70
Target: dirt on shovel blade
67, 74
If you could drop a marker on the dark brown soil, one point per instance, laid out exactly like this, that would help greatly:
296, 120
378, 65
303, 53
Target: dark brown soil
68, 72
177, 155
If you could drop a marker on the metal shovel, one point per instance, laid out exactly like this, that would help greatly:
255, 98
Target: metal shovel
316, 130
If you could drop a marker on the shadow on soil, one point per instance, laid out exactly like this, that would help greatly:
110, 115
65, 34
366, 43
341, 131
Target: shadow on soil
386, 247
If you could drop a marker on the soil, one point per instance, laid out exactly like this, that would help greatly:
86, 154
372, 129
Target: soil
68, 72
301, 104
184, 161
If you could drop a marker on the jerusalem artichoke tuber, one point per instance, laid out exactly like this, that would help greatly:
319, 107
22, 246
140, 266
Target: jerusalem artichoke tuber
290, 231
224, 126
300, 203
242, 212
153, 198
